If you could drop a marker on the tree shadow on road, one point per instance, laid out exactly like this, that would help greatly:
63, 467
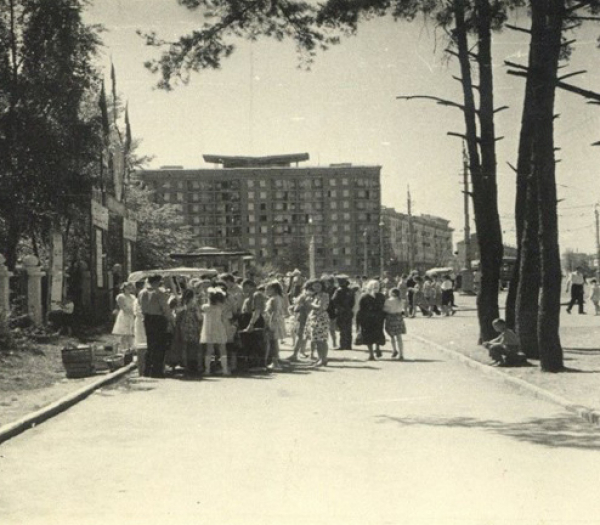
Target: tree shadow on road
561, 431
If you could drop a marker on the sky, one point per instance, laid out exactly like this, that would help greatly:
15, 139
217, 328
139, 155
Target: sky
344, 109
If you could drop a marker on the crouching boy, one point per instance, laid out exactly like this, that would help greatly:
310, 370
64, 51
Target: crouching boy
505, 349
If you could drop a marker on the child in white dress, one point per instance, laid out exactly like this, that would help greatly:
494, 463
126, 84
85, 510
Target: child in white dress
125, 322
214, 333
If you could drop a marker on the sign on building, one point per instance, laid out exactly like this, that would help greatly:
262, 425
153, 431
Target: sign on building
99, 216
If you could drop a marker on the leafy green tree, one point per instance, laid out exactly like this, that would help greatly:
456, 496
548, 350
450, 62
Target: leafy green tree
48, 142
161, 229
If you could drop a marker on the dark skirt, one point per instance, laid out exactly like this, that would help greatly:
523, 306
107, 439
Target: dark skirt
394, 324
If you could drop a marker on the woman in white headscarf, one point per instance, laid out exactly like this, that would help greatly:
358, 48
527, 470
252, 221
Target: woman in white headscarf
370, 319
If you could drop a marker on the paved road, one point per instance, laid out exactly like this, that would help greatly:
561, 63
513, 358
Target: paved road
428, 441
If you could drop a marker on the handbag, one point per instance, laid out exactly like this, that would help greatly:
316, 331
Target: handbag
358, 340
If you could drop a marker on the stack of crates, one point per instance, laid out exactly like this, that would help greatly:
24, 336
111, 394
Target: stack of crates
78, 361
101, 353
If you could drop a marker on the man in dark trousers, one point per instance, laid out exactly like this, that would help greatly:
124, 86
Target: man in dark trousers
343, 302
575, 281
157, 315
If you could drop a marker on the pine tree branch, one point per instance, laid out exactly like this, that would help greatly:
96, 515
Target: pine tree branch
517, 28
441, 101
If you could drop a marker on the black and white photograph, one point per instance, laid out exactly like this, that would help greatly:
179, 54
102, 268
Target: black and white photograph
299, 262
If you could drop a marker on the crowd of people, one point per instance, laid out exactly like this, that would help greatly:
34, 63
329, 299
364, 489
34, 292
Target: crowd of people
230, 325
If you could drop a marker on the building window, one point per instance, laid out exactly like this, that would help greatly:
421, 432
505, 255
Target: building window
263, 218
346, 193
251, 218
263, 194
264, 241
333, 205
334, 216
250, 183
180, 185
251, 241
333, 182
347, 205
263, 206
345, 181
332, 194
263, 183
346, 216
250, 195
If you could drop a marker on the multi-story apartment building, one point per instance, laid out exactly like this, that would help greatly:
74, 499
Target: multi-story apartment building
416, 242
265, 205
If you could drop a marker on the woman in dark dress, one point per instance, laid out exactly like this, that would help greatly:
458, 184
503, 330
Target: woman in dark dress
370, 319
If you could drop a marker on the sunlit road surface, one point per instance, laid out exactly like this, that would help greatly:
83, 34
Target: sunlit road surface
427, 441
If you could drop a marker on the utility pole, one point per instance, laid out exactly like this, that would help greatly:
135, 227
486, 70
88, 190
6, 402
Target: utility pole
597, 240
411, 235
467, 218
467, 273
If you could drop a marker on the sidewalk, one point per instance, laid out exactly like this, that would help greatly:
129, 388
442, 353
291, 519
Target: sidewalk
580, 337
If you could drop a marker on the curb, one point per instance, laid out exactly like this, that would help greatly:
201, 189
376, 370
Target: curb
588, 414
21, 425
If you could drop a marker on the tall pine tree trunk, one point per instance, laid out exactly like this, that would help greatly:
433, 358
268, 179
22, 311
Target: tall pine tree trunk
549, 14
482, 167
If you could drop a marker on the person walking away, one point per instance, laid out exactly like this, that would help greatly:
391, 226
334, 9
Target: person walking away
394, 322
447, 288
370, 319
300, 310
595, 295
275, 321
188, 326
124, 326
343, 302
317, 323
505, 349
437, 304
157, 314
251, 324
213, 332
329, 284
575, 282
411, 283
403, 287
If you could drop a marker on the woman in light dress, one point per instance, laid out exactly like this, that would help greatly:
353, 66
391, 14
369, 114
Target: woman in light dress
214, 333
125, 322
317, 324
275, 313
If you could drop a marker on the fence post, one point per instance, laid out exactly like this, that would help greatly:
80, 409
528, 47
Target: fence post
5, 276
34, 288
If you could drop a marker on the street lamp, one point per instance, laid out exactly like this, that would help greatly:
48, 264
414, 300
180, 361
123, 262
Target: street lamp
365, 262
381, 262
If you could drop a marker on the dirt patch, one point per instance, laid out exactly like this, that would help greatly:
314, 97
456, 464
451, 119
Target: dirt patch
33, 376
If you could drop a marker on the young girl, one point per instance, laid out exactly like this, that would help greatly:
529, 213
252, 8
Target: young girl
275, 319
188, 325
595, 295
317, 323
213, 332
125, 322
394, 322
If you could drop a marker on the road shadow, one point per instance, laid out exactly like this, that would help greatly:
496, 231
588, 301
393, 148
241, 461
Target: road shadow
555, 432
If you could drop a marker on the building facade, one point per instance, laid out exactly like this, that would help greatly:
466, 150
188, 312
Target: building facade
273, 209
416, 241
